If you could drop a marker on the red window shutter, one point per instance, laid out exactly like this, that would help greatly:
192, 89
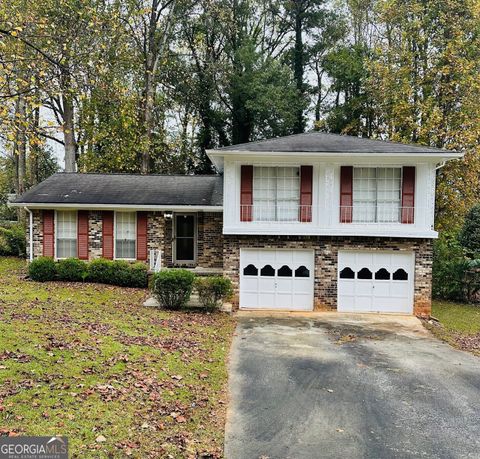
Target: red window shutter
346, 194
107, 235
141, 235
48, 233
306, 190
246, 193
408, 194
82, 234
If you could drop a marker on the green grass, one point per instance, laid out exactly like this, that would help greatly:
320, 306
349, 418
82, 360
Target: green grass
85, 360
457, 317
459, 325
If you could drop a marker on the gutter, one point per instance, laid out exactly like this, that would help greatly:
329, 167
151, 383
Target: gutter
138, 207
30, 233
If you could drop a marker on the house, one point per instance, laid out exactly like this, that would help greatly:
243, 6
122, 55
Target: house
302, 222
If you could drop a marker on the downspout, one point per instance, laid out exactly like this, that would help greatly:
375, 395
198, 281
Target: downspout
30, 233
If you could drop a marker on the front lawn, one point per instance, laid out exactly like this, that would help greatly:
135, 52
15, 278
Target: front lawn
119, 380
459, 324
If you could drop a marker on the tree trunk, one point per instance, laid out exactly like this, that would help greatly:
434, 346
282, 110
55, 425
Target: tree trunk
21, 143
34, 149
298, 65
69, 133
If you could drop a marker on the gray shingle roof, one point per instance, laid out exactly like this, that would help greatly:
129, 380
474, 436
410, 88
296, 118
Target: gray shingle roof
116, 189
317, 142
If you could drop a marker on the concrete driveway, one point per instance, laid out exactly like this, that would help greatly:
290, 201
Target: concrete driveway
345, 386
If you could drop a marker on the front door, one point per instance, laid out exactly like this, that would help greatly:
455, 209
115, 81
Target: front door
185, 237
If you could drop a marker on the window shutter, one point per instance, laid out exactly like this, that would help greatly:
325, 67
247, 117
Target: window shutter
246, 193
346, 194
408, 194
107, 235
306, 185
48, 233
82, 234
141, 235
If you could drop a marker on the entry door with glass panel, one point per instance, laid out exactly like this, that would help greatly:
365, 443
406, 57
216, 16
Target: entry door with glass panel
185, 238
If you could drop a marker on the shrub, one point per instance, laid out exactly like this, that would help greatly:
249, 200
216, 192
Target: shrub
173, 287
449, 267
118, 272
101, 271
212, 291
469, 236
129, 275
72, 269
42, 269
12, 241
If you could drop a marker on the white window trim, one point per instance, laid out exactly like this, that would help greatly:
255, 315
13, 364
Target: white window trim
115, 235
55, 229
174, 239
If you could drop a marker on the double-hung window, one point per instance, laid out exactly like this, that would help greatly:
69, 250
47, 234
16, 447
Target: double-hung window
377, 194
66, 230
276, 193
125, 235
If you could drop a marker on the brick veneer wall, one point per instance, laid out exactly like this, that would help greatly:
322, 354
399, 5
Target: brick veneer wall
95, 227
326, 252
37, 234
159, 236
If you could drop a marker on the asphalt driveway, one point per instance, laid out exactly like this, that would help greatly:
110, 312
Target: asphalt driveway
349, 387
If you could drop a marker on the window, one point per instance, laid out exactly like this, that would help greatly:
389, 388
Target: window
276, 193
66, 229
400, 274
364, 273
267, 270
125, 235
284, 271
347, 273
302, 271
377, 194
382, 274
250, 270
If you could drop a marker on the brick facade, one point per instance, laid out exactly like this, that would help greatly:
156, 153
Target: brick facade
326, 252
159, 237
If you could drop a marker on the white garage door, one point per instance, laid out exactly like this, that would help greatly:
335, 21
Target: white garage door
276, 279
374, 281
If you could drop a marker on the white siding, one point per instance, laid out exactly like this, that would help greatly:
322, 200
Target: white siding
326, 200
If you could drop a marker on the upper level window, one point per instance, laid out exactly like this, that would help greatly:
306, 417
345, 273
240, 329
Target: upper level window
377, 194
276, 193
125, 235
66, 229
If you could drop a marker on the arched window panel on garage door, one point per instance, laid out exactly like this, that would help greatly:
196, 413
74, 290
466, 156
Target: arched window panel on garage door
364, 274
382, 274
284, 271
400, 275
302, 271
267, 270
250, 270
347, 273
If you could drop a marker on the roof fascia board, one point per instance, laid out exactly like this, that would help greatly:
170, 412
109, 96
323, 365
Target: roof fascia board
52, 205
441, 154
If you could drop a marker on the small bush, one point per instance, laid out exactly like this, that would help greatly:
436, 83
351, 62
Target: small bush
72, 270
12, 241
42, 269
212, 291
129, 275
101, 271
173, 287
